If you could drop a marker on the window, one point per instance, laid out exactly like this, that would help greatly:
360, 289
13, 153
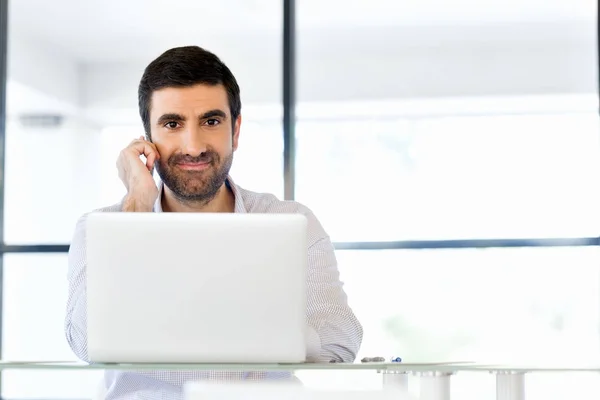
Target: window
52, 178
451, 177
534, 306
416, 121
477, 304
71, 107
35, 293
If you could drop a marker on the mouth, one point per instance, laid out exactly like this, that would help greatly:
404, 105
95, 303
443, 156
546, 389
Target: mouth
199, 166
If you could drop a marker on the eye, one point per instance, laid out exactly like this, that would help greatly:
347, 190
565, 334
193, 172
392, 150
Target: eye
212, 122
171, 125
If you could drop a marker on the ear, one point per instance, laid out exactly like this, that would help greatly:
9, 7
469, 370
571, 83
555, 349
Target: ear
236, 132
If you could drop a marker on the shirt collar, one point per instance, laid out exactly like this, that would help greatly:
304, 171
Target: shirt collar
239, 201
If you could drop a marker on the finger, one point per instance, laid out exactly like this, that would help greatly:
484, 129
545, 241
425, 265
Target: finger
150, 160
141, 138
136, 140
141, 147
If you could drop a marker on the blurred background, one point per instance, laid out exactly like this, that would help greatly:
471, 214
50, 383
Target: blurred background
450, 148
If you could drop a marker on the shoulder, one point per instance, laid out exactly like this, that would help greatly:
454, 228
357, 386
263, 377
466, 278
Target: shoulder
255, 202
112, 208
77, 248
79, 228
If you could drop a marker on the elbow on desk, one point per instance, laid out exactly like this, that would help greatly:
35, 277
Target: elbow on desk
345, 343
77, 340
356, 338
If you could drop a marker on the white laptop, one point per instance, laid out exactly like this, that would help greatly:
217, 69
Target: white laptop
196, 287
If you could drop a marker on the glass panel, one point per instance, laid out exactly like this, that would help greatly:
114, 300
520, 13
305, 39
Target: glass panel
517, 306
35, 294
445, 120
536, 306
493, 305
465, 177
72, 99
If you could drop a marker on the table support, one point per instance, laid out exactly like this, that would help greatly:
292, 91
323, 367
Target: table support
435, 385
510, 385
394, 380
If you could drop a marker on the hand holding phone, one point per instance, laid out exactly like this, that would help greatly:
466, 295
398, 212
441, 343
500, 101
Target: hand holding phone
137, 175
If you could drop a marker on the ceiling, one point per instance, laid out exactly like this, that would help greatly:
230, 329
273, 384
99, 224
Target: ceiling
105, 30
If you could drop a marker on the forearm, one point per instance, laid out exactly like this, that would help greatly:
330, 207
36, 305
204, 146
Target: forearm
76, 328
334, 336
133, 204
75, 323
338, 330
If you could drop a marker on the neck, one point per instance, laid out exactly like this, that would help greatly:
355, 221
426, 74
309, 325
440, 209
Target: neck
223, 201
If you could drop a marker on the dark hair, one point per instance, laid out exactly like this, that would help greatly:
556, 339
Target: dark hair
186, 66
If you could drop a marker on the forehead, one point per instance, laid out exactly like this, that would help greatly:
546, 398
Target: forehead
195, 99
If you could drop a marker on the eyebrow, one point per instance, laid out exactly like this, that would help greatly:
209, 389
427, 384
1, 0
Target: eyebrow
163, 119
213, 113
180, 118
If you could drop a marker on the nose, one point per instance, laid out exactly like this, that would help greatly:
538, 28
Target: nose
193, 142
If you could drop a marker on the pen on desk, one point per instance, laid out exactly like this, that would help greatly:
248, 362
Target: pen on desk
372, 359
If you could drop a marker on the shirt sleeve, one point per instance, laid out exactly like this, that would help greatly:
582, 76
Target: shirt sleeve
75, 318
334, 333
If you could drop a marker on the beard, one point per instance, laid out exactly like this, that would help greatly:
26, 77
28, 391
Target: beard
195, 186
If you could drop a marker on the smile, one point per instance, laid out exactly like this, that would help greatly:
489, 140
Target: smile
194, 166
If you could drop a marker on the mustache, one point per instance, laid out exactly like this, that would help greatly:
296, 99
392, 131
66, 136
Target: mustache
205, 157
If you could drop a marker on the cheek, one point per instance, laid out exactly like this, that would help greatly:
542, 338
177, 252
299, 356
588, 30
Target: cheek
165, 147
224, 143
164, 153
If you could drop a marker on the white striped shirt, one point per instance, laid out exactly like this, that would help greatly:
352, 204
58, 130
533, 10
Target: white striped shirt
334, 332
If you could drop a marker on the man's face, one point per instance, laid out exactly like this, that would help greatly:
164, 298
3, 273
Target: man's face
192, 130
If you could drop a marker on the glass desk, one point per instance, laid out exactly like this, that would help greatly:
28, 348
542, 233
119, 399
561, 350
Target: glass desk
434, 378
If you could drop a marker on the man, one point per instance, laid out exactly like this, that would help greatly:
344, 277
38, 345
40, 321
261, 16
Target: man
190, 106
